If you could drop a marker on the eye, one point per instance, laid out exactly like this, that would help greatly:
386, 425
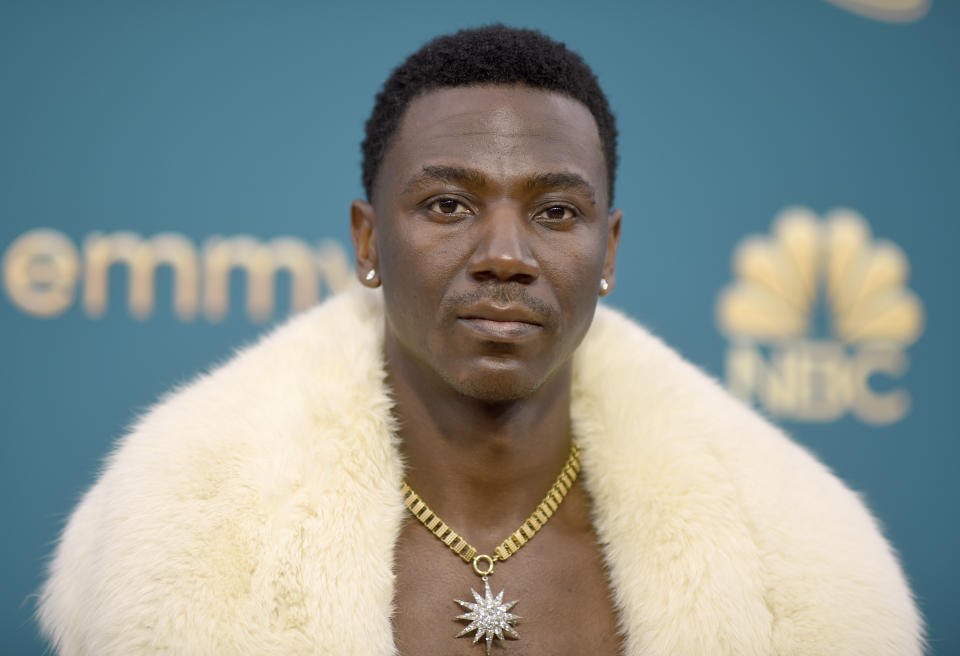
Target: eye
448, 207
557, 215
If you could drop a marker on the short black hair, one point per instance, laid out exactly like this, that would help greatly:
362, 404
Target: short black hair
494, 54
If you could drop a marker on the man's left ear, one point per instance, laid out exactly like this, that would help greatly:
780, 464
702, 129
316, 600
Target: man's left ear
610, 260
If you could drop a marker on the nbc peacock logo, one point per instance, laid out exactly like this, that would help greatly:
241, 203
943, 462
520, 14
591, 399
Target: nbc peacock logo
819, 318
892, 11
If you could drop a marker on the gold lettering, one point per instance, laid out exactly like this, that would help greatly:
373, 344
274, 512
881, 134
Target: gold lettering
744, 368
334, 265
296, 257
261, 263
42, 268
142, 258
875, 408
779, 389
774, 385
824, 387
809, 381
40, 271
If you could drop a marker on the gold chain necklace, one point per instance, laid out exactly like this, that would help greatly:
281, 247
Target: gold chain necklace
490, 617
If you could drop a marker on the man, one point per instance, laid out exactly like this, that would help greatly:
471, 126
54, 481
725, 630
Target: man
261, 510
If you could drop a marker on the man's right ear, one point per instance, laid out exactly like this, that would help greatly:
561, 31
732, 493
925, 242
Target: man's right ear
363, 232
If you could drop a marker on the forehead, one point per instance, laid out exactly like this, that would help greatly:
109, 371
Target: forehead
507, 133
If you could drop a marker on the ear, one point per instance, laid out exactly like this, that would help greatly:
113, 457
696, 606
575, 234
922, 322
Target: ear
363, 232
613, 242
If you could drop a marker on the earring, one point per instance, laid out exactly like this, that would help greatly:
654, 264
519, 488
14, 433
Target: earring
604, 285
371, 274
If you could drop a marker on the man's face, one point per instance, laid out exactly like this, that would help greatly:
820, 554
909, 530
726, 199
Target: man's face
490, 233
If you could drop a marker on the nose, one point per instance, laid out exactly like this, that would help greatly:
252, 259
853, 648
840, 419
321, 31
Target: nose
503, 250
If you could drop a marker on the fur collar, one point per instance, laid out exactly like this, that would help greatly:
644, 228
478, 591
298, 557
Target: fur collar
254, 511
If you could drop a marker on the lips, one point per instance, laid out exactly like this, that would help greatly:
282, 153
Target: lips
501, 323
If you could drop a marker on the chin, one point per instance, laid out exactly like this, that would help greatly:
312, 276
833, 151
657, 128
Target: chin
500, 383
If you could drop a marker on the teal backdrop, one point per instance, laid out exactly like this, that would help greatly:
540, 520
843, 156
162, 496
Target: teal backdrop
244, 118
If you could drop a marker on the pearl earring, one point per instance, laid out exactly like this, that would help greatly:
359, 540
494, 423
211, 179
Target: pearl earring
371, 274
604, 285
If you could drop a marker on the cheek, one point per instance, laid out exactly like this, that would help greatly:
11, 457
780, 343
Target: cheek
576, 281
425, 258
414, 270
400, 256
409, 243
575, 268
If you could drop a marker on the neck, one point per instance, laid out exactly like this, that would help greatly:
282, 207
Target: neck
481, 466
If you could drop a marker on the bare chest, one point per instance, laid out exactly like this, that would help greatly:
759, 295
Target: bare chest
557, 580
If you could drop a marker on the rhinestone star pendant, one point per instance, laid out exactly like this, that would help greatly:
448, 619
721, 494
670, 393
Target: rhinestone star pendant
489, 616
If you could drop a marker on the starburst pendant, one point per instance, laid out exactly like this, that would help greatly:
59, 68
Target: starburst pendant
489, 616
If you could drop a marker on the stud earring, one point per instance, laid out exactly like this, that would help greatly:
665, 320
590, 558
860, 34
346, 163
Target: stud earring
604, 285
371, 274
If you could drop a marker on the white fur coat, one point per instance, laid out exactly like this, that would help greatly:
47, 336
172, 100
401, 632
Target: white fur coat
254, 511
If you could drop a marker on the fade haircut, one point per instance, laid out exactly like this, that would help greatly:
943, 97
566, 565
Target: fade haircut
494, 54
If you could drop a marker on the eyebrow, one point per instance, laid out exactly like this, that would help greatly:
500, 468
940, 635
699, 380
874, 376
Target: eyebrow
455, 174
563, 181
467, 177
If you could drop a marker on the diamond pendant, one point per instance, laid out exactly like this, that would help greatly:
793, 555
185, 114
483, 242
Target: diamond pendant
489, 616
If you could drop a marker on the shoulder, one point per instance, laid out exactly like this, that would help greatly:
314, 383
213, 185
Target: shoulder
180, 534
227, 426
723, 478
